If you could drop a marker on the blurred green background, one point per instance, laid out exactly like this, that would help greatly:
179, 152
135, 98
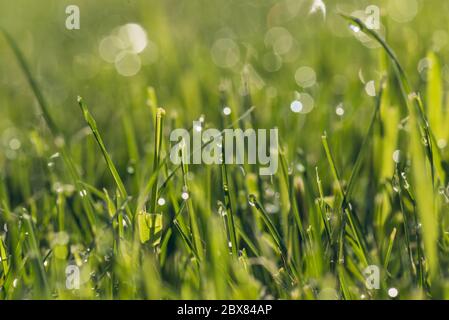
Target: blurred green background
201, 57
179, 62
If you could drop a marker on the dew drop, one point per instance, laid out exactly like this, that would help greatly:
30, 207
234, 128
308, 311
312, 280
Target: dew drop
221, 210
226, 111
185, 195
296, 106
370, 88
252, 200
393, 292
339, 110
161, 201
404, 177
130, 170
354, 28
397, 156
395, 184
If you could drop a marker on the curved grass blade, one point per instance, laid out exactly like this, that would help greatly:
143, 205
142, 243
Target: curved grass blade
55, 131
423, 165
93, 126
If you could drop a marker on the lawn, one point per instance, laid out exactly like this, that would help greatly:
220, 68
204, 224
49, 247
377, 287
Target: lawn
112, 125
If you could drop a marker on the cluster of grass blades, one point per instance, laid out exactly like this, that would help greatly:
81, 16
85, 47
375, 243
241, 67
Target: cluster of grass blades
210, 232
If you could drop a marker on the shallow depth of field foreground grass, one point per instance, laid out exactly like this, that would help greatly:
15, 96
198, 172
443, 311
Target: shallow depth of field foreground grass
87, 187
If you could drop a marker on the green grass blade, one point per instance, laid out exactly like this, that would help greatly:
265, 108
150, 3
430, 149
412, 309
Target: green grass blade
93, 126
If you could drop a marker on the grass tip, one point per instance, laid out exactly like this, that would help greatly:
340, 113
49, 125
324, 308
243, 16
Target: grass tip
160, 112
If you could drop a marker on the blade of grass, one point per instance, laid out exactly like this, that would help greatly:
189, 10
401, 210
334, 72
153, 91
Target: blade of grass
422, 156
55, 131
93, 126
389, 248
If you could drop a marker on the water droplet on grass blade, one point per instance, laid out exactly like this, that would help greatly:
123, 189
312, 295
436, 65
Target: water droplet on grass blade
304, 103
252, 200
370, 88
355, 28
339, 110
296, 106
393, 292
221, 210
397, 156
404, 177
185, 195
130, 170
395, 184
226, 111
